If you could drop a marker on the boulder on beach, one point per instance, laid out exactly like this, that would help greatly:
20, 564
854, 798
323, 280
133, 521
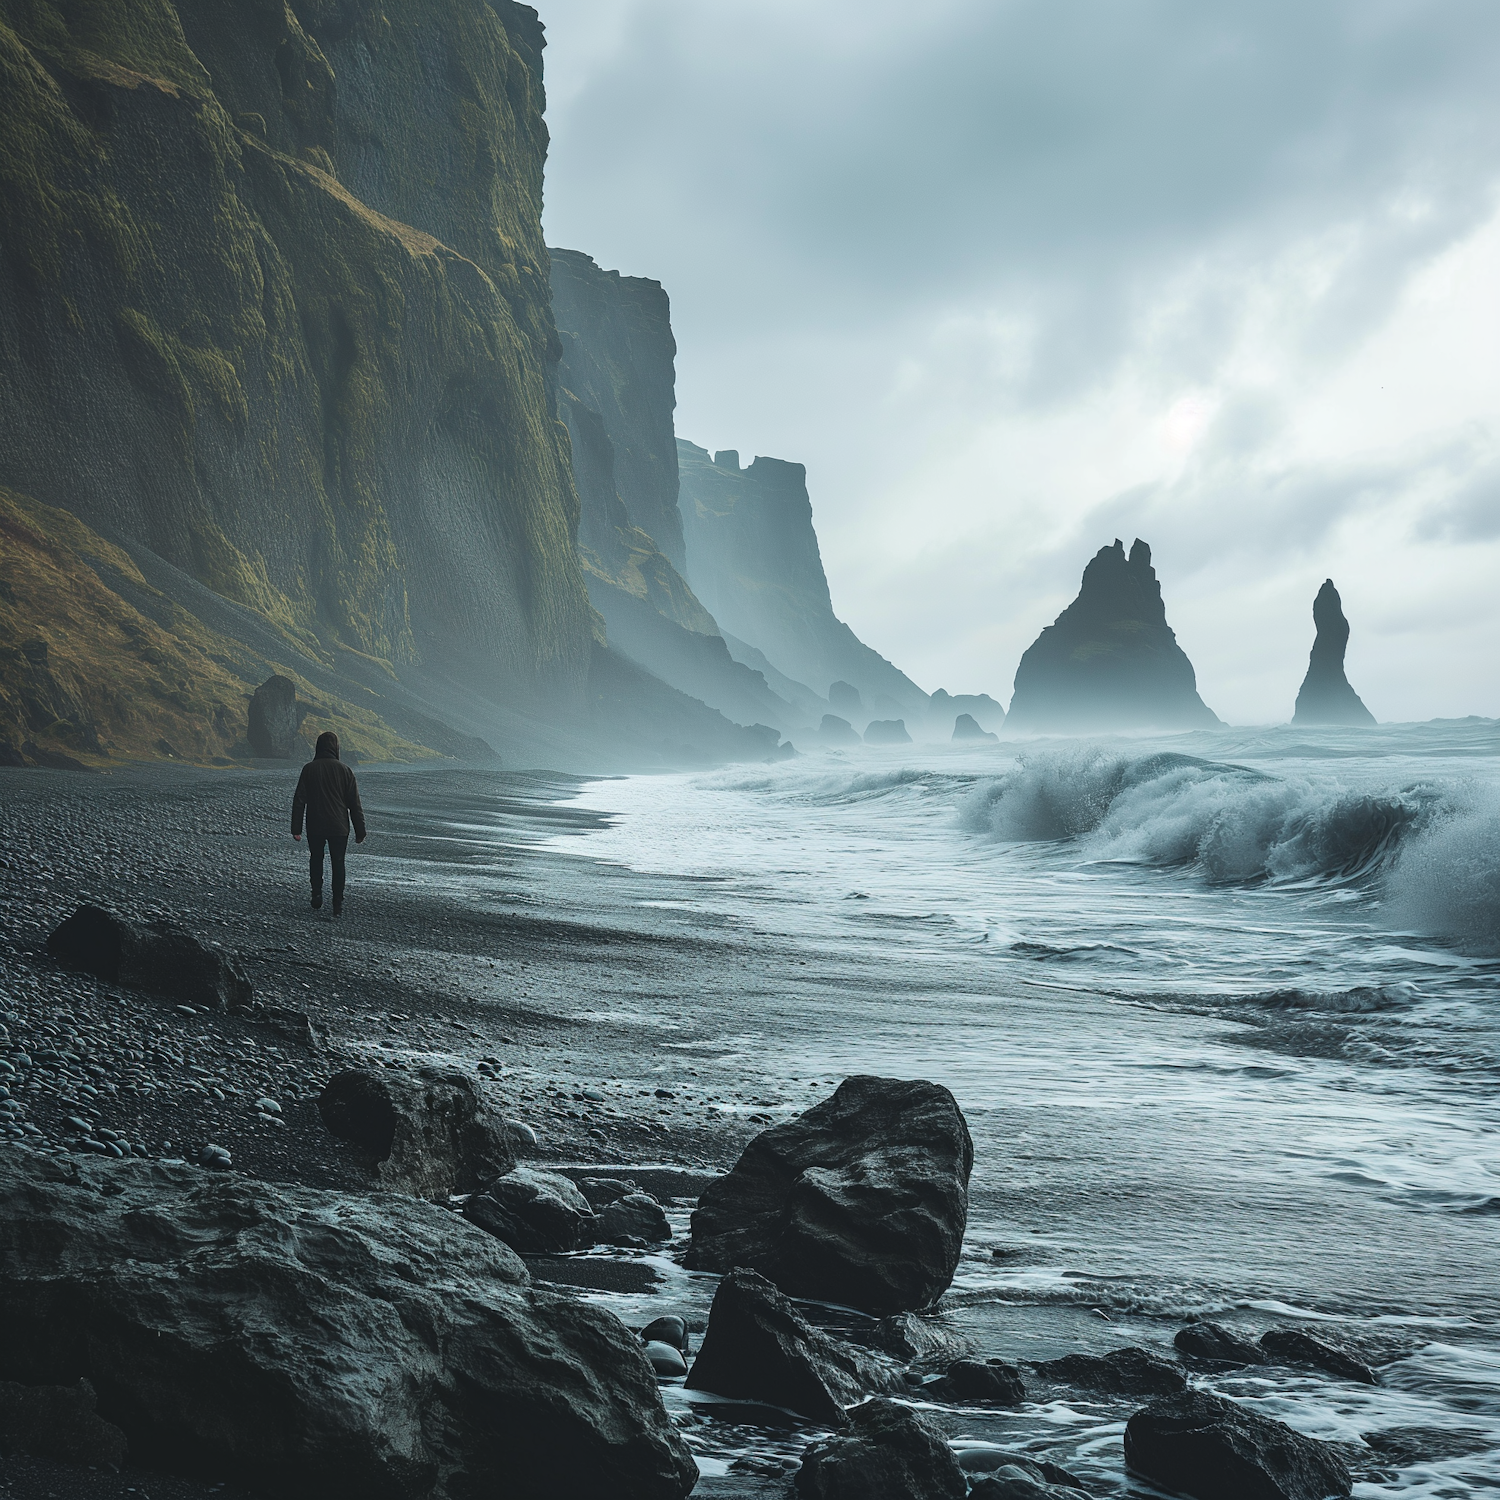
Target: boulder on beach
59, 1421
1121, 1372
630, 1218
887, 732
156, 957
1326, 696
889, 1453
534, 1212
1212, 1343
1296, 1346
429, 1133
1202, 1445
274, 719
966, 727
758, 1347
917, 1340
836, 731
319, 1345
1020, 1480
861, 1201
990, 1382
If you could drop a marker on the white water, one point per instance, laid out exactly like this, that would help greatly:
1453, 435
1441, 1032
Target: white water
1223, 1012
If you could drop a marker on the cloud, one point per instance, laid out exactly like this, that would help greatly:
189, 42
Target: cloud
1006, 275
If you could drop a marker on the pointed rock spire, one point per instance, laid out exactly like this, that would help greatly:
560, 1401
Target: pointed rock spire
1326, 697
1111, 660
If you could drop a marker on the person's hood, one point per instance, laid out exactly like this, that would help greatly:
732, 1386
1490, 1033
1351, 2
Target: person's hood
325, 755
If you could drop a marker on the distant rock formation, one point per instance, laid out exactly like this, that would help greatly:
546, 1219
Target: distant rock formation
753, 559
1110, 661
836, 731
844, 696
1326, 697
887, 732
966, 728
944, 706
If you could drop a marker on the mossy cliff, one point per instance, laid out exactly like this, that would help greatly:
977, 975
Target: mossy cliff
274, 303
754, 561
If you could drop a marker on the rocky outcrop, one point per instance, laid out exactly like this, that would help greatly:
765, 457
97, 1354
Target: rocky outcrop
965, 728
1213, 1344
753, 559
1110, 661
944, 707
1023, 1481
1325, 696
861, 1201
634, 1218
429, 1133
890, 1453
275, 310
759, 1348
833, 730
534, 1212
313, 1344
1199, 1444
1121, 1372
887, 732
274, 720
159, 958
990, 1382
1296, 1346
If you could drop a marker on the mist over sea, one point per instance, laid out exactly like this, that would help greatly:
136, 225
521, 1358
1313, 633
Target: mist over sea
1222, 1009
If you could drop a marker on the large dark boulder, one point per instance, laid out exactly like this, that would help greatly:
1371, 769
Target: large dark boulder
427, 1133
319, 1345
1109, 660
1212, 1343
1200, 1444
758, 1347
534, 1212
1295, 1346
1121, 1372
1326, 696
986, 1382
632, 1218
156, 957
860, 1201
274, 719
889, 1453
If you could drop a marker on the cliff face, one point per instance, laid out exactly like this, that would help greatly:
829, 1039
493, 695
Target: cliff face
1326, 696
274, 305
1110, 661
753, 559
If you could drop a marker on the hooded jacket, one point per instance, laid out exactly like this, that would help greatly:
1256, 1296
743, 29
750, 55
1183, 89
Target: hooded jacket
329, 795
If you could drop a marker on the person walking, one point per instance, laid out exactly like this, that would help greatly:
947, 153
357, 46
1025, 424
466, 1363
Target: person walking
329, 795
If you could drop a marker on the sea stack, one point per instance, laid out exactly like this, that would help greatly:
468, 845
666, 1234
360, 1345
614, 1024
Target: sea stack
1110, 661
1326, 697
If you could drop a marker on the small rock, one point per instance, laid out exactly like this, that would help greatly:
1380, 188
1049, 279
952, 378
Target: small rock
268, 1106
665, 1360
1121, 1372
1214, 1344
1023, 1481
534, 1212
890, 1453
593, 1096
665, 1094
216, 1158
1295, 1346
669, 1330
637, 1216
993, 1383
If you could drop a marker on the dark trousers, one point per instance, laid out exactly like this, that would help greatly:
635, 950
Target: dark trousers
337, 847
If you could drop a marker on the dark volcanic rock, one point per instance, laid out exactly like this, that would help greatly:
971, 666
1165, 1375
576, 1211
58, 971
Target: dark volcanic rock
916, 1340
1295, 1346
670, 1330
1202, 1445
59, 1421
992, 1382
1325, 696
1023, 1480
428, 1134
966, 727
534, 1212
1110, 661
1121, 1372
890, 1453
273, 718
833, 730
861, 1201
319, 1345
1215, 1344
759, 1348
159, 958
887, 732
636, 1216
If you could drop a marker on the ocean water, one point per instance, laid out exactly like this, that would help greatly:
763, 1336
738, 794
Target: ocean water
1222, 1010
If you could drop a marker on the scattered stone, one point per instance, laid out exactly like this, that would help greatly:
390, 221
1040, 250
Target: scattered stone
889, 1453
1202, 1445
665, 1360
1212, 1343
991, 1382
636, 1216
268, 1106
429, 1134
534, 1212
1121, 1372
215, 1158
317, 1343
59, 1421
860, 1201
1295, 1346
274, 719
159, 958
759, 1348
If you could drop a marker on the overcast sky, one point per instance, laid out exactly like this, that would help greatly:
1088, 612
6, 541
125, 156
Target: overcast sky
1015, 278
